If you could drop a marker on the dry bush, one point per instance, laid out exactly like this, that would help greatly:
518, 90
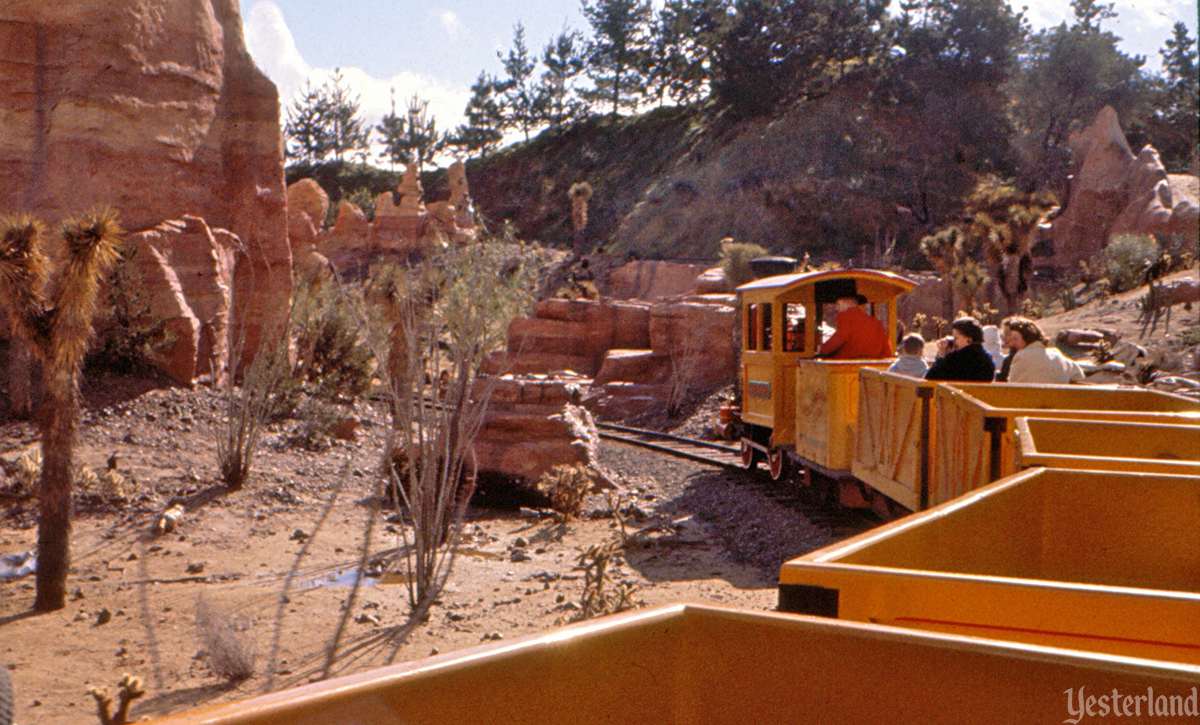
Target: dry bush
599, 596
227, 642
1126, 258
735, 261
566, 486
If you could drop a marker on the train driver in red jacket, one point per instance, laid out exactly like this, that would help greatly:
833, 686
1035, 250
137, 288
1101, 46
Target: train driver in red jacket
858, 334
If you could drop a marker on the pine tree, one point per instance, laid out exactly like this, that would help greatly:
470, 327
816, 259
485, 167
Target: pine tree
483, 130
520, 105
685, 38
564, 61
1173, 128
325, 122
412, 137
619, 53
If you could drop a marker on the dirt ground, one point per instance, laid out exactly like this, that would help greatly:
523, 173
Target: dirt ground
278, 556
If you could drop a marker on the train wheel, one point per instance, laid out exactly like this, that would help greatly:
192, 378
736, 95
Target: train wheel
777, 462
749, 456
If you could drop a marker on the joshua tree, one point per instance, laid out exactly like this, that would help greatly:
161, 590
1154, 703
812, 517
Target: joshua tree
56, 322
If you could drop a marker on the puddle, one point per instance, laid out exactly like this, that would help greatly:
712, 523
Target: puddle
342, 578
339, 578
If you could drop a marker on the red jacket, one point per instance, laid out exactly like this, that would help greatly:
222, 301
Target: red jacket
858, 336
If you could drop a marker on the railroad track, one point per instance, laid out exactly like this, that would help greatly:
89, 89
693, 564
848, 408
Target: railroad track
714, 454
810, 502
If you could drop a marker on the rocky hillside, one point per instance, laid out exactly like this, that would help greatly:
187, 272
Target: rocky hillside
829, 176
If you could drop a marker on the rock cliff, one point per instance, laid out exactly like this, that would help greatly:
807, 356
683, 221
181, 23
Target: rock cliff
153, 107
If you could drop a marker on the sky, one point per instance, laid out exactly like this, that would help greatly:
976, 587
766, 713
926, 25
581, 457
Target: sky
437, 48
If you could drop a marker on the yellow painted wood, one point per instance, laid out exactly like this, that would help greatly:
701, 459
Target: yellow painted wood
1099, 561
1108, 446
961, 455
826, 410
695, 665
889, 444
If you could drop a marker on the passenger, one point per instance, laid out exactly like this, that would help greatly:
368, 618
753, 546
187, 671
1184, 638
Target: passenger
912, 357
858, 334
1031, 360
961, 356
991, 343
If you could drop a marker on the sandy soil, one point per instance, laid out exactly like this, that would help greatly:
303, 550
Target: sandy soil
277, 557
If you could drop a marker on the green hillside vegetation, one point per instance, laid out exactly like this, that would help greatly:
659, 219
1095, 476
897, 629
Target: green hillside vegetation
832, 127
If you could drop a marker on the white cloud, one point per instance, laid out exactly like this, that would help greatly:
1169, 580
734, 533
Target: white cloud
450, 22
274, 49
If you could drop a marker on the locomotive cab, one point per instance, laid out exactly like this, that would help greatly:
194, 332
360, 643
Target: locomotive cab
784, 321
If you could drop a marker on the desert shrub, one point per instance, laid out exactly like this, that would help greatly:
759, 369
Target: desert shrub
1126, 258
599, 595
264, 391
128, 331
566, 486
735, 261
332, 363
227, 643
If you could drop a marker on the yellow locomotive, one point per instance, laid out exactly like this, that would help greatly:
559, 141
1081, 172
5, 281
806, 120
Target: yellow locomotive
796, 408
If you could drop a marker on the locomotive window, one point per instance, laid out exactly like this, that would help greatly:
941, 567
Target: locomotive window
793, 316
766, 326
752, 328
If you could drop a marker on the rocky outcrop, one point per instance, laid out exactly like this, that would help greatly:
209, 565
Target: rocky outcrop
652, 281
1114, 192
176, 289
156, 109
534, 424
402, 225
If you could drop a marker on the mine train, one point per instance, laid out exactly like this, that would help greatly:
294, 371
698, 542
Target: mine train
873, 439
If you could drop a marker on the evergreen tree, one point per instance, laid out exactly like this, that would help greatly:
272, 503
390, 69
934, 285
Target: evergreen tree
325, 122
619, 52
685, 38
412, 137
520, 105
483, 130
773, 49
1068, 75
307, 131
564, 61
1173, 127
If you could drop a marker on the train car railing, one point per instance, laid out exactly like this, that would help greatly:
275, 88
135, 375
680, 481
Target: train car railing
826, 410
1099, 561
974, 442
1108, 446
894, 426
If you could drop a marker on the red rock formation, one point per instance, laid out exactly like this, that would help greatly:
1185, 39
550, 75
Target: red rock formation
1113, 192
155, 108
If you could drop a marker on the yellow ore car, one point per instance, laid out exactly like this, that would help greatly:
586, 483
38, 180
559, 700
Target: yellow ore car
797, 409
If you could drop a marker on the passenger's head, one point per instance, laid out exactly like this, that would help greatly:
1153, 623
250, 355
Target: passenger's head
912, 344
968, 328
1021, 331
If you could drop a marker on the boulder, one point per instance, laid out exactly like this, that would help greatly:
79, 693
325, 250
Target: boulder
154, 108
561, 337
526, 363
307, 196
532, 425
653, 280
623, 401
711, 281
180, 276
634, 366
1114, 192
698, 338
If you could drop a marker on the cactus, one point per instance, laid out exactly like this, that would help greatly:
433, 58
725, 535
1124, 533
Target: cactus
56, 322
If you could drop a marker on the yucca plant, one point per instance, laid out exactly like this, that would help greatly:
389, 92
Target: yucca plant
56, 322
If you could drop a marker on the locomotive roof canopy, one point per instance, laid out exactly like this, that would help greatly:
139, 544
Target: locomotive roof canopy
876, 285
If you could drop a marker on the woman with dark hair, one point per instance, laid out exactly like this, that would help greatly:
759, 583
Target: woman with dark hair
961, 356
